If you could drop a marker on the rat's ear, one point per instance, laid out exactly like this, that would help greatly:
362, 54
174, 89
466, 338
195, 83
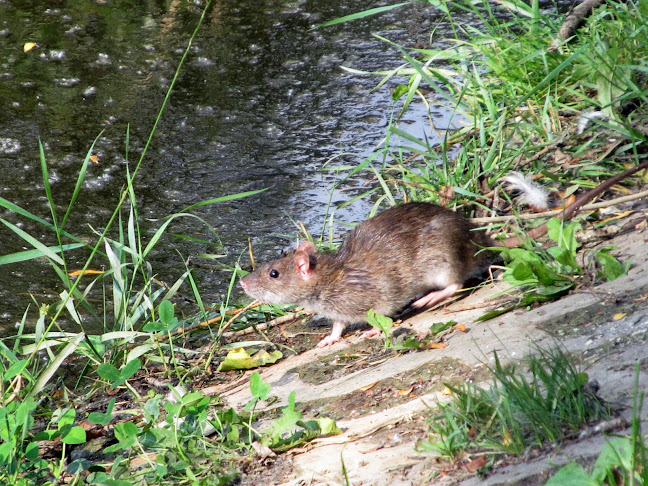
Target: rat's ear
307, 246
302, 264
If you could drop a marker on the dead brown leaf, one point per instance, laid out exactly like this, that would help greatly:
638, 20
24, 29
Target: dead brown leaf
476, 464
370, 386
433, 345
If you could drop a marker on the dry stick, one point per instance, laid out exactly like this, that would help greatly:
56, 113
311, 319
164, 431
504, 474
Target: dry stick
556, 212
251, 305
544, 151
570, 210
265, 325
574, 19
236, 312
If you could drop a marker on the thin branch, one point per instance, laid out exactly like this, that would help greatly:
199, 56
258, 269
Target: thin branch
558, 212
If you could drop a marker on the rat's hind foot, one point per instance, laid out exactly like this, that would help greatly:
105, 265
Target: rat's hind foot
370, 333
436, 296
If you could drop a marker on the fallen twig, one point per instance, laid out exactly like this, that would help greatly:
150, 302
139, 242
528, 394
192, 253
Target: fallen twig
558, 212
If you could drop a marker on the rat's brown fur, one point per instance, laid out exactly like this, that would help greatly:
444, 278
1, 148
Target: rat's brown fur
384, 263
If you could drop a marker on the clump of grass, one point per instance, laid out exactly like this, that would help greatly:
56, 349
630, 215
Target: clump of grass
623, 460
516, 94
544, 400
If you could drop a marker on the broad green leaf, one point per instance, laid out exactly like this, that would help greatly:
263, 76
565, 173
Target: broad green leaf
239, 359
166, 312
610, 266
66, 418
78, 466
616, 453
383, 323
258, 388
155, 326
572, 475
286, 423
438, 327
328, 427
31, 451
131, 368
6, 452
522, 272
102, 418
75, 435
108, 372
15, 369
126, 432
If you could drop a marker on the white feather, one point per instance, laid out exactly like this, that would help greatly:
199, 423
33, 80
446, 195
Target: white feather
585, 120
531, 193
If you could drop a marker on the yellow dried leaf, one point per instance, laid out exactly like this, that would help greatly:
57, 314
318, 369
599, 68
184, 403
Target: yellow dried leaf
461, 327
239, 359
447, 391
369, 387
617, 216
29, 46
433, 345
567, 201
78, 273
94, 159
618, 316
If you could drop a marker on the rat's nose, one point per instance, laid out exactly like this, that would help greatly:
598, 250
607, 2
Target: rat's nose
244, 284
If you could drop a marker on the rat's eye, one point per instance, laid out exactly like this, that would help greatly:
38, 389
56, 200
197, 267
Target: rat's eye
274, 273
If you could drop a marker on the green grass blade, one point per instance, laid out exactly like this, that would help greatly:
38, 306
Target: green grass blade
79, 182
26, 255
33, 242
161, 230
44, 378
363, 14
563, 65
223, 199
132, 240
48, 189
14, 208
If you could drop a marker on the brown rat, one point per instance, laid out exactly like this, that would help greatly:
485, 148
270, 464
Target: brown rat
403, 252
406, 251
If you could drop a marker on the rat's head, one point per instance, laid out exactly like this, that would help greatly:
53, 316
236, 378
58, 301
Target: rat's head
287, 280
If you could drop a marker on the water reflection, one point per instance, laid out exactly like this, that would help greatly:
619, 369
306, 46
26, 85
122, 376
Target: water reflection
261, 102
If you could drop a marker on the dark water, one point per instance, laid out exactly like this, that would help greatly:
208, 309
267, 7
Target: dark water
260, 103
